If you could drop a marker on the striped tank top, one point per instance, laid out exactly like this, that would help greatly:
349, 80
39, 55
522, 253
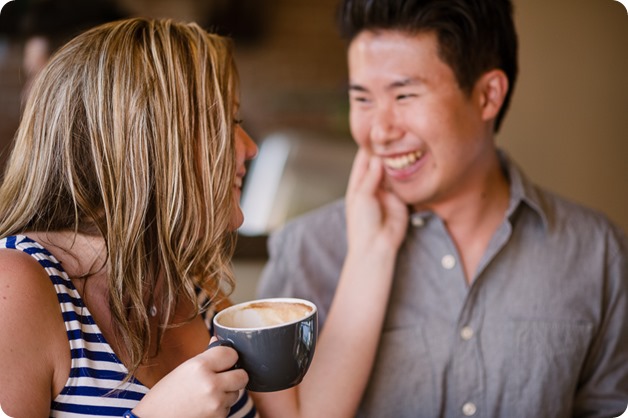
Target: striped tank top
94, 387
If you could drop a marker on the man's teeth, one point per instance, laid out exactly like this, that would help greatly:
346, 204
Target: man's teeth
403, 161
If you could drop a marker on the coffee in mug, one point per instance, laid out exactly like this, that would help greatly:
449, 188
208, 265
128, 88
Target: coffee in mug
275, 340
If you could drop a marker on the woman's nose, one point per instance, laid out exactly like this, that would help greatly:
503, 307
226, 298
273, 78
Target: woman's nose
250, 147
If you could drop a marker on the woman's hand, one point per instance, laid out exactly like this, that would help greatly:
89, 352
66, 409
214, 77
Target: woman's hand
204, 386
376, 217
377, 221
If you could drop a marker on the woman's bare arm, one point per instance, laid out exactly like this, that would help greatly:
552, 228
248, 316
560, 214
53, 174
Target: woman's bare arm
376, 225
34, 351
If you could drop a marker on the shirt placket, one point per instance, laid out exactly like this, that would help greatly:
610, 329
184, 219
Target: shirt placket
468, 369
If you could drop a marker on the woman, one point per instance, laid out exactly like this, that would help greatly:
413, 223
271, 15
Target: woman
126, 170
122, 191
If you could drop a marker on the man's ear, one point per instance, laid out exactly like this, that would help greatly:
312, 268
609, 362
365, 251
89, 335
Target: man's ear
492, 88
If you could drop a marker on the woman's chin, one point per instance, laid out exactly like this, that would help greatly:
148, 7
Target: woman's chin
236, 219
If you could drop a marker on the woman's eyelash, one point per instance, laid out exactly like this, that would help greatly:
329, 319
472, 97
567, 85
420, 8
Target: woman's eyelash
238, 121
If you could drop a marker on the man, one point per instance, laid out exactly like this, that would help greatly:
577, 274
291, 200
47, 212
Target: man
507, 300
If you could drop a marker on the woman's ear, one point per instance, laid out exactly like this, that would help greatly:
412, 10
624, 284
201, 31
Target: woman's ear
492, 88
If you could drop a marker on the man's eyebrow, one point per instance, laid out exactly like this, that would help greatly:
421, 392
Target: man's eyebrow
404, 82
358, 88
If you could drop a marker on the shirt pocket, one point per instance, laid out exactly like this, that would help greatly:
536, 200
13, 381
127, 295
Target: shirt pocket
548, 357
402, 381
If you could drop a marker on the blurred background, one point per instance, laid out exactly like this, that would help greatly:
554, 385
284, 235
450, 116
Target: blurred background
567, 126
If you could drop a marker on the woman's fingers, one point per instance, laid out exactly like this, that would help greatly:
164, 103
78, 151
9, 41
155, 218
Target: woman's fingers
366, 177
233, 380
199, 386
373, 177
359, 167
220, 358
374, 211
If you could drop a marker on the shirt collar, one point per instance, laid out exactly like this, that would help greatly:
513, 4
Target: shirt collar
522, 190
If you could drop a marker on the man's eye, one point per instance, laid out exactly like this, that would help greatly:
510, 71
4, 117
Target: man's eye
360, 99
405, 96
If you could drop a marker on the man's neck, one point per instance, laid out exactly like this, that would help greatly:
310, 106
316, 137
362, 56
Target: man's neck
475, 212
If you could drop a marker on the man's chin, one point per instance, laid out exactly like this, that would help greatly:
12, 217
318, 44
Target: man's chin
411, 197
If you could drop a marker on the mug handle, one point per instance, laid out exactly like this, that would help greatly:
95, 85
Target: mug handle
221, 343
225, 343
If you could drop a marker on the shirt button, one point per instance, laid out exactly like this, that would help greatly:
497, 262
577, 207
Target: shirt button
448, 261
466, 333
417, 221
469, 409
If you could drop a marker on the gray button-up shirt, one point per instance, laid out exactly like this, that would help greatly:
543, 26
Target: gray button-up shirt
542, 330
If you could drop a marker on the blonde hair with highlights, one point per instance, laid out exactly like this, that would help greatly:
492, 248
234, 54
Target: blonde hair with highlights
128, 133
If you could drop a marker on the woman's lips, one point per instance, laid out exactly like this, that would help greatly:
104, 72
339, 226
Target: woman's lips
238, 181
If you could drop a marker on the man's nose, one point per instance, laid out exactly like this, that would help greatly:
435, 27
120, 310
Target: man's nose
385, 127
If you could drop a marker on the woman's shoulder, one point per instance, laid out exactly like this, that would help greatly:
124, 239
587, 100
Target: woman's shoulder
32, 334
25, 290
21, 273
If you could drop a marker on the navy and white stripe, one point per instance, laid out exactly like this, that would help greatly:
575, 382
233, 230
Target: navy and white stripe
94, 387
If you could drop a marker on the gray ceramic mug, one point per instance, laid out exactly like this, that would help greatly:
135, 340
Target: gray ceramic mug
275, 340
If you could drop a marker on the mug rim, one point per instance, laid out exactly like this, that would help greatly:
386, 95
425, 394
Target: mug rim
278, 299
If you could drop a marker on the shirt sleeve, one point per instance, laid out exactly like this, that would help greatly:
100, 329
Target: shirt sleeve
305, 259
603, 386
